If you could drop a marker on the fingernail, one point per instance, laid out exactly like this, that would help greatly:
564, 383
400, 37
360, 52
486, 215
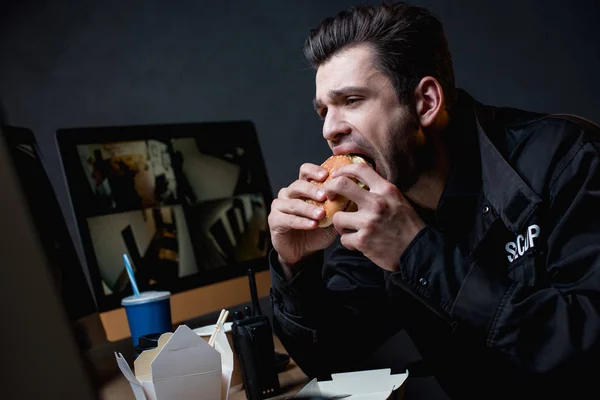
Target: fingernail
322, 174
320, 193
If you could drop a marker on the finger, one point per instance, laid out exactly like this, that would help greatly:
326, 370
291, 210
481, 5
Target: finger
345, 222
311, 171
282, 222
349, 240
303, 189
299, 208
363, 173
344, 186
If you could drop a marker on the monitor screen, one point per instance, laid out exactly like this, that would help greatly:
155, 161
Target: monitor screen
49, 221
187, 202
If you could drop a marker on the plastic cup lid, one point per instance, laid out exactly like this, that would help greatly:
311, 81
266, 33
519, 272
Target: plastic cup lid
145, 297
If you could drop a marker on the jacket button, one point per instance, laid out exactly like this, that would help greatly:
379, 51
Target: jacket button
423, 282
486, 209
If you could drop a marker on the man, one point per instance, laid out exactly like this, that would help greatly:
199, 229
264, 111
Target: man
479, 234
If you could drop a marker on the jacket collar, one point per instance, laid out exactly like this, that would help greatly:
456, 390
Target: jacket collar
507, 194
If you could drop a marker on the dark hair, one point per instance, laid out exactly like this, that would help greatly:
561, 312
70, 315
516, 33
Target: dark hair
408, 41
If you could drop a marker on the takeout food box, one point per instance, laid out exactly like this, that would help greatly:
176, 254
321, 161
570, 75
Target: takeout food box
378, 384
183, 366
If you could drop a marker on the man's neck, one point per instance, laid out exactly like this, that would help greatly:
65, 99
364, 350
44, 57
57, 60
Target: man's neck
428, 189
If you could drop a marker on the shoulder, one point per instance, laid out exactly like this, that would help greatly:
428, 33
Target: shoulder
512, 128
548, 127
540, 146
548, 145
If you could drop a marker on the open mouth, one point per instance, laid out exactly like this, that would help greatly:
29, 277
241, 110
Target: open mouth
368, 159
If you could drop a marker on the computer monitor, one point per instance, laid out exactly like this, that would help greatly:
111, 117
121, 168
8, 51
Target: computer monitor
50, 223
40, 356
187, 202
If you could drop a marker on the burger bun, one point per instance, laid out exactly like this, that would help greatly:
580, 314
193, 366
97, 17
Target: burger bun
339, 203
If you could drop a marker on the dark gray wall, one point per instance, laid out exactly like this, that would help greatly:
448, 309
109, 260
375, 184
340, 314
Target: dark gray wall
86, 63
90, 63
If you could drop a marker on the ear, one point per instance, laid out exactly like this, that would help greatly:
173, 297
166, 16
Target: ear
429, 102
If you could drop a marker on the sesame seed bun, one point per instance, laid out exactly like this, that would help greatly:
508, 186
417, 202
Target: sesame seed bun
340, 203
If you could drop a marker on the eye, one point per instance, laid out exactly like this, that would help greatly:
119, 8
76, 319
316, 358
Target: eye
352, 100
322, 112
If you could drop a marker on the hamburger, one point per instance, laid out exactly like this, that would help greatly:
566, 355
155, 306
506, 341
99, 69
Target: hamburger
340, 203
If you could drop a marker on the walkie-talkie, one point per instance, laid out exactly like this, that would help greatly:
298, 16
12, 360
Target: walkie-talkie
254, 347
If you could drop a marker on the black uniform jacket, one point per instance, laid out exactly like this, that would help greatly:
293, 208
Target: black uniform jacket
500, 292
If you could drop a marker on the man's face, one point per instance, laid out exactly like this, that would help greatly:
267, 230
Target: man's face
362, 114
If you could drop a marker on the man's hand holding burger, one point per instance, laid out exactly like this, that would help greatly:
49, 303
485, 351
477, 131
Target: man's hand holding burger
385, 223
300, 219
295, 233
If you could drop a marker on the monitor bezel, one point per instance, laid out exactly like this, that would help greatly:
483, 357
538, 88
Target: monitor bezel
32, 300
242, 132
65, 253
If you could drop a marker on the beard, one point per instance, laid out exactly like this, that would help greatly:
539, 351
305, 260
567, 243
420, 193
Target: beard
408, 154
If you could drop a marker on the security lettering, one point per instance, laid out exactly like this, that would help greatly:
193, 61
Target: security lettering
523, 243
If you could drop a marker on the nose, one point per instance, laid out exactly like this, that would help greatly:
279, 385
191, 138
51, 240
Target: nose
335, 126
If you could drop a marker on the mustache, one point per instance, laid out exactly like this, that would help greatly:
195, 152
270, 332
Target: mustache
355, 141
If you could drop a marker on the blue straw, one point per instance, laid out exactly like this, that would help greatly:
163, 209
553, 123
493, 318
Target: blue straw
131, 276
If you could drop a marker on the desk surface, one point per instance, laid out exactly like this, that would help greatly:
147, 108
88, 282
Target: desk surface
291, 381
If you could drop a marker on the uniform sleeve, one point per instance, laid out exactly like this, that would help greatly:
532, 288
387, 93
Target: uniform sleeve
324, 316
552, 325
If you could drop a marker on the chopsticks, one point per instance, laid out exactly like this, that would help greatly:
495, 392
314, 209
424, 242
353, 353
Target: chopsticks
220, 321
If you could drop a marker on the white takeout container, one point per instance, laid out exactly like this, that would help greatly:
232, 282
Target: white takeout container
207, 330
183, 366
378, 384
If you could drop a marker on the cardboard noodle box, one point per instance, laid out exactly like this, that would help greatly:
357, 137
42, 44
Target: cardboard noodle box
376, 384
183, 366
